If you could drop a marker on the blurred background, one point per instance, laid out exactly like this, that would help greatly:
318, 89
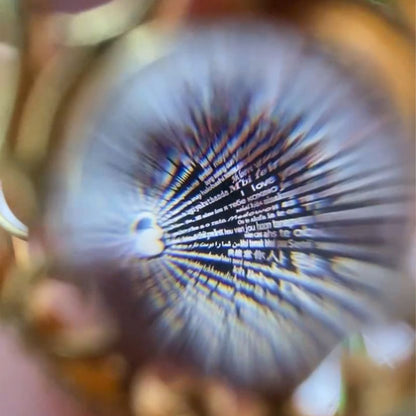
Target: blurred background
46, 49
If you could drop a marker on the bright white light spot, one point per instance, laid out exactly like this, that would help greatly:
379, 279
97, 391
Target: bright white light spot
148, 236
390, 345
319, 394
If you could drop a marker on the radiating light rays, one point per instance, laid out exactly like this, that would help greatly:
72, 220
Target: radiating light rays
305, 168
223, 158
227, 292
274, 200
254, 319
223, 295
285, 264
